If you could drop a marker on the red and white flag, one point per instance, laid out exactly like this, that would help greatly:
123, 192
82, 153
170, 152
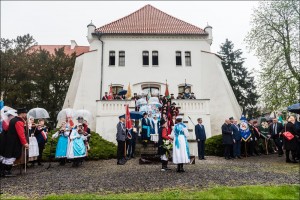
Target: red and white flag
110, 95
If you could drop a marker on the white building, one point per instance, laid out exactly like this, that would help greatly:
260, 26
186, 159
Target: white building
145, 49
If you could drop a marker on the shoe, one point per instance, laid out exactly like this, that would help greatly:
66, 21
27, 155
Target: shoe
8, 174
168, 169
239, 157
132, 156
40, 164
203, 158
288, 161
163, 170
279, 155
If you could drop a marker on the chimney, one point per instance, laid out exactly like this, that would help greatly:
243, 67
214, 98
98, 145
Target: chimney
208, 29
73, 44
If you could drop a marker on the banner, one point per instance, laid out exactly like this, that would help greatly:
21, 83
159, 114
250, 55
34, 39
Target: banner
244, 129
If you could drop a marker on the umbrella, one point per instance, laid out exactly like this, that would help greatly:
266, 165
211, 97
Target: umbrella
87, 115
122, 92
144, 108
158, 105
294, 108
38, 113
64, 113
135, 115
141, 101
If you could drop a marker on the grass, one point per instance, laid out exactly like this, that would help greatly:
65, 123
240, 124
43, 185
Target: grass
220, 192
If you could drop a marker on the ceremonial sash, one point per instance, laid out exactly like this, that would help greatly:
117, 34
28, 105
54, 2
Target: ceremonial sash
148, 129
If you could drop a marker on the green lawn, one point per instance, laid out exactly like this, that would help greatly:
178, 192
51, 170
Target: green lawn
243, 192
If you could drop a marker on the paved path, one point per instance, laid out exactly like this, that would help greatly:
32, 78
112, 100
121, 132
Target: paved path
105, 175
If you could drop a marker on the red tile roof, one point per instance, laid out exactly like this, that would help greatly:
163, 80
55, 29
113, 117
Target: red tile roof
150, 20
78, 49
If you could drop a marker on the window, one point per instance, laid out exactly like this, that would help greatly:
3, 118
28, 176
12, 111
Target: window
116, 89
154, 91
112, 58
121, 58
188, 58
178, 58
145, 57
154, 57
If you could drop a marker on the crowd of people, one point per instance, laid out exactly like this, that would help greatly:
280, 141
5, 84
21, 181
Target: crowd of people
22, 141
268, 137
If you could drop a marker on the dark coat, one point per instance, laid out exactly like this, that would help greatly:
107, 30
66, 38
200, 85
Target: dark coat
290, 145
272, 131
200, 132
227, 134
12, 147
236, 132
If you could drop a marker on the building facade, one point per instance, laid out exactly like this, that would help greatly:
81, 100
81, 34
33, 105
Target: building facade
145, 49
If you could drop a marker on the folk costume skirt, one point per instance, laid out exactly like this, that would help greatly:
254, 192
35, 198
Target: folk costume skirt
180, 150
62, 147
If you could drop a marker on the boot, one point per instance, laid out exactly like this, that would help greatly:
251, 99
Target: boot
7, 171
163, 165
181, 168
178, 168
166, 164
1, 170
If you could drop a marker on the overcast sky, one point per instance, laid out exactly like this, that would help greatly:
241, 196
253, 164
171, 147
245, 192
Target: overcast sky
59, 22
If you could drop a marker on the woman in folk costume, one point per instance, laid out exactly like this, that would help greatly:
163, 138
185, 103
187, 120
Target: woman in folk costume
181, 153
164, 145
62, 144
77, 149
33, 144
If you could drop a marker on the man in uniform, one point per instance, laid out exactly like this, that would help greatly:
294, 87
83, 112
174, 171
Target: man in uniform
121, 136
179, 96
192, 96
14, 141
172, 96
105, 97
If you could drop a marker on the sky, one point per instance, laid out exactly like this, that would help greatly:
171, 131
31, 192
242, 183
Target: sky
58, 22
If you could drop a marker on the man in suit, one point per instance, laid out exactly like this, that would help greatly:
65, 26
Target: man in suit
227, 138
236, 139
200, 137
275, 130
121, 136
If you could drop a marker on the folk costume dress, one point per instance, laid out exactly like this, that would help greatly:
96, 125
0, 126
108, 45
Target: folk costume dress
181, 153
76, 148
62, 144
33, 152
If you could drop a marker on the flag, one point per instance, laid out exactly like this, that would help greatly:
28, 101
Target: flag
128, 122
167, 95
110, 95
244, 129
280, 120
128, 94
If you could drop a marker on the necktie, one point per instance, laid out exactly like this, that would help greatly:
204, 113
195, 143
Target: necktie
275, 129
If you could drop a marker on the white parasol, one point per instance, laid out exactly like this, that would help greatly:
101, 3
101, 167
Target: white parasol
141, 102
64, 113
87, 115
38, 113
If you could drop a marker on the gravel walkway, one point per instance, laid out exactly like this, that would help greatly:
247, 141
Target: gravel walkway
105, 176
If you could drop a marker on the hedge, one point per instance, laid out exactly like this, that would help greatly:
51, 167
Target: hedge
99, 148
214, 146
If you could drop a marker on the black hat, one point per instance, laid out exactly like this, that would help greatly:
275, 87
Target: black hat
230, 118
144, 114
121, 116
192, 93
180, 93
78, 118
172, 94
173, 103
21, 110
161, 95
134, 93
162, 121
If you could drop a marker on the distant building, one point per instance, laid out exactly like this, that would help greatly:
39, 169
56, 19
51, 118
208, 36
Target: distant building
68, 49
145, 49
